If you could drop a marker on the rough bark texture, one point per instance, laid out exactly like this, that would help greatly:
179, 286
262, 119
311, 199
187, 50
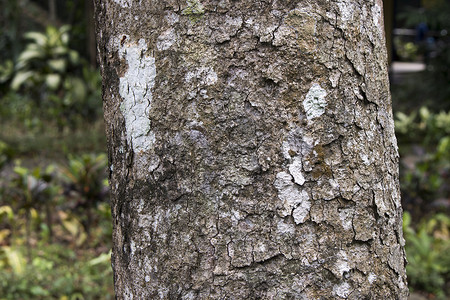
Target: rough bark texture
252, 150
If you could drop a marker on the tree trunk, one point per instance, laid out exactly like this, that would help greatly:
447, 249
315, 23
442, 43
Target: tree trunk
252, 150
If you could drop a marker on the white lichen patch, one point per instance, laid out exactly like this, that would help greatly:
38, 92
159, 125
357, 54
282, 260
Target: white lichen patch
334, 78
285, 149
295, 201
281, 35
289, 184
172, 18
128, 295
346, 10
380, 199
132, 248
289, 147
345, 215
284, 227
163, 292
365, 159
295, 168
229, 28
377, 17
144, 221
301, 212
136, 90
191, 295
401, 282
266, 32
372, 277
205, 76
342, 263
342, 290
315, 103
166, 40
124, 3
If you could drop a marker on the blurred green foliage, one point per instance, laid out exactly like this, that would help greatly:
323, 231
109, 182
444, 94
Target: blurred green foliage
55, 272
86, 173
45, 60
55, 222
407, 51
85, 176
45, 250
6, 153
428, 254
422, 126
49, 81
424, 145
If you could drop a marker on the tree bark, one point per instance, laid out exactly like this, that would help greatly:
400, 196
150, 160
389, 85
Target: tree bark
252, 150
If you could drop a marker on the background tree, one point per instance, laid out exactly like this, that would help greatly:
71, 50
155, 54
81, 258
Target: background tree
252, 150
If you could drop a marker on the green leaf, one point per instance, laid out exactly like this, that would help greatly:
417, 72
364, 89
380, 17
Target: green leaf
53, 36
77, 296
60, 50
403, 122
444, 145
77, 88
20, 78
57, 64
37, 290
15, 259
27, 55
82, 237
65, 38
36, 172
39, 38
74, 57
71, 224
6, 71
424, 113
64, 31
21, 171
53, 81
8, 211
102, 258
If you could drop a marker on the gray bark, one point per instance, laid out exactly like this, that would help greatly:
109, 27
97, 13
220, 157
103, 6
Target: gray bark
252, 150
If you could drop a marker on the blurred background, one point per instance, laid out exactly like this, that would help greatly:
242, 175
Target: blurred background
55, 220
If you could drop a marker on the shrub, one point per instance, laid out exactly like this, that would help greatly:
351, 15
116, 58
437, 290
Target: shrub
53, 81
428, 254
